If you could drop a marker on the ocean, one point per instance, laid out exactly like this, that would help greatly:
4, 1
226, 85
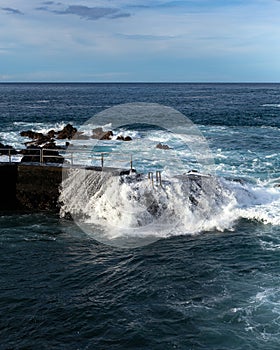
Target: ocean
203, 269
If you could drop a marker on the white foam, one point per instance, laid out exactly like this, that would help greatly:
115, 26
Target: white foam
190, 205
276, 105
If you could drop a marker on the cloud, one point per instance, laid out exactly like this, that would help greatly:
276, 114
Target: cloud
146, 37
120, 15
12, 11
89, 13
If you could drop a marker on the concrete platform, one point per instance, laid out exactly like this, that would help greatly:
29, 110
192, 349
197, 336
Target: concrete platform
35, 187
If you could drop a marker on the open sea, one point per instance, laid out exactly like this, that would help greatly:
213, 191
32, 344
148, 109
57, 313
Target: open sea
211, 282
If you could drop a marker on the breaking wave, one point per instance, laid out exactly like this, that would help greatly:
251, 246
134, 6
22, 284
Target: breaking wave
133, 206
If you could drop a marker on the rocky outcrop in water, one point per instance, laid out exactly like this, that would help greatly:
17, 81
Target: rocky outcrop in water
39, 138
124, 138
33, 151
162, 146
49, 155
100, 134
47, 141
6, 150
67, 132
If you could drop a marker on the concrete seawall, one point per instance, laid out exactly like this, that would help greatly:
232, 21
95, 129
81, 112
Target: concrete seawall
35, 187
29, 187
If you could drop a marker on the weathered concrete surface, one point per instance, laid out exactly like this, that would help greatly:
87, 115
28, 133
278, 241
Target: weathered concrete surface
35, 188
29, 187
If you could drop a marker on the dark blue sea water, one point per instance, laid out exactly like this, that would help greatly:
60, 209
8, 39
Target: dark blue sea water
215, 288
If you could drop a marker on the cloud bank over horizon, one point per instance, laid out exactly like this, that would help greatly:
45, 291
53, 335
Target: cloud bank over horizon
187, 40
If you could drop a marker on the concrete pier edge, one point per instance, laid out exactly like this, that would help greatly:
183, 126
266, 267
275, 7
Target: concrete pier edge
35, 187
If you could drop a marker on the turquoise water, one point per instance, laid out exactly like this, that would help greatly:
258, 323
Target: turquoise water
215, 289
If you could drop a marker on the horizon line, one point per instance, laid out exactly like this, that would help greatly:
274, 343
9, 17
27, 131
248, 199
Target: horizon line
139, 82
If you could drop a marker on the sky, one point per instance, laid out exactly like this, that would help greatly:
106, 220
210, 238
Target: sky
140, 41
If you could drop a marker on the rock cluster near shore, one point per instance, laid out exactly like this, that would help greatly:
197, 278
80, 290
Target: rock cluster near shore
48, 142
68, 132
6, 150
39, 138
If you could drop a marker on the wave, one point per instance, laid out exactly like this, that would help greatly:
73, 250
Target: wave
189, 204
276, 105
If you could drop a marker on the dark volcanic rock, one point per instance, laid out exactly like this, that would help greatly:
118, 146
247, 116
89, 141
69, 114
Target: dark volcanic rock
51, 134
7, 149
100, 134
32, 134
30, 154
161, 146
67, 132
122, 138
33, 154
39, 141
52, 145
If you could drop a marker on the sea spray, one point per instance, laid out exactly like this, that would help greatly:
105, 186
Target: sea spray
132, 205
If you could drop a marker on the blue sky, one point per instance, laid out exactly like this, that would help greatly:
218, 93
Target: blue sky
140, 40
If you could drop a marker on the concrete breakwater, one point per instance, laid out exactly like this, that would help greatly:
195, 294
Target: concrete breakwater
29, 187
34, 187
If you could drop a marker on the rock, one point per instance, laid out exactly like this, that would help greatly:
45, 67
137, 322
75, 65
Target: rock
51, 134
32, 134
37, 137
52, 145
30, 154
122, 138
39, 141
100, 134
67, 132
28, 133
50, 154
7, 149
162, 146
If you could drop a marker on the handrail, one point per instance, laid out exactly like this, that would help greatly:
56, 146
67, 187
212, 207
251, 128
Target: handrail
158, 181
68, 154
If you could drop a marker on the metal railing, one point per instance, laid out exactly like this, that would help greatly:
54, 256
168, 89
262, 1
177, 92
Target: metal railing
158, 181
8, 152
71, 155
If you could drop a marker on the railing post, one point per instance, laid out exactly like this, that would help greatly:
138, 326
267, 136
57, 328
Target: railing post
131, 162
102, 160
151, 177
9, 156
41, 155
72, 158
158, 178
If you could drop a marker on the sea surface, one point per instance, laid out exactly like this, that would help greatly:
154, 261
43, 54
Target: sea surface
210, 281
